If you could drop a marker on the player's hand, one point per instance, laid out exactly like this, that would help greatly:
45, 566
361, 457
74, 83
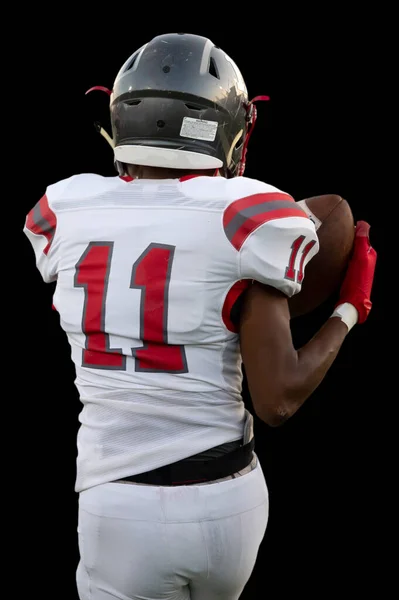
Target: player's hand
358, 282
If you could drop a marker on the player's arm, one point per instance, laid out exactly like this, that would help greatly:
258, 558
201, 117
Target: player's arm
280, 378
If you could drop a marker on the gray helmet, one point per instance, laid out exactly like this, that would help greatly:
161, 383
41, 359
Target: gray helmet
179, 102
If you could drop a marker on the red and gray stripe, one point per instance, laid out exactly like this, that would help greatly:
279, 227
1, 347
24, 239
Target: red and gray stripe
243, 216
42, 221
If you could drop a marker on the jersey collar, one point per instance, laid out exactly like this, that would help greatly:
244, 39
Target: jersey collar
184, 178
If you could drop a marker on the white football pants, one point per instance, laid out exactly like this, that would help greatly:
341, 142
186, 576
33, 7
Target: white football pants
197, 542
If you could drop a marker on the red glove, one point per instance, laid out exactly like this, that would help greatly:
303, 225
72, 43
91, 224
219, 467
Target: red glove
356, 287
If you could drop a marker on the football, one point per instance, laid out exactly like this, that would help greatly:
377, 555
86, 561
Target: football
324, 273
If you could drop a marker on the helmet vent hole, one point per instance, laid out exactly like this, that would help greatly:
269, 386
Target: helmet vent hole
130, 65
160, 123
134, 102
213, 68
166, 69
193, 107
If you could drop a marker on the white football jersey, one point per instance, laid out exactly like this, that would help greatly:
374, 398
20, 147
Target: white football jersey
146, 273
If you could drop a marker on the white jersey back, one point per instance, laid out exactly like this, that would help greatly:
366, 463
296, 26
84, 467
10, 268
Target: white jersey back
147, 272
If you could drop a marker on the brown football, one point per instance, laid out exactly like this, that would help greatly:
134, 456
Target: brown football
324, 272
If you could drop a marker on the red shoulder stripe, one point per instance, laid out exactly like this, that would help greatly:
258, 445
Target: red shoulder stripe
242, 204
42, 221
243, 216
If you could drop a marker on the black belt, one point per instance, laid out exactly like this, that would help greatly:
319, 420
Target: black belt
188, 472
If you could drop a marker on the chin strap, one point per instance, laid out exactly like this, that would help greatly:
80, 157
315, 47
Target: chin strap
105, 135
99, 88
98, 127
251, 118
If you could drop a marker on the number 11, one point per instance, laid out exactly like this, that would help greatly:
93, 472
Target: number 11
151, 275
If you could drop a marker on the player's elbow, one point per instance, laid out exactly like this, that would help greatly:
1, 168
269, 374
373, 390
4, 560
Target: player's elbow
273, 414
276, 399
276, 404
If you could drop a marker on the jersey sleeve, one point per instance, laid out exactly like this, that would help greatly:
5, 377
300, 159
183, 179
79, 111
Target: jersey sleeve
40, 228
273, 236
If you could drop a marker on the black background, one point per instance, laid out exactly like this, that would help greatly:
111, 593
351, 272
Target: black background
317, 135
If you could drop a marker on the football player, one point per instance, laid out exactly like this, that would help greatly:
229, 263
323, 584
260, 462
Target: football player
148, 266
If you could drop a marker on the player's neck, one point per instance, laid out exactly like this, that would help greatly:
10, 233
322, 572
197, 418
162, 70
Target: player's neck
142, 172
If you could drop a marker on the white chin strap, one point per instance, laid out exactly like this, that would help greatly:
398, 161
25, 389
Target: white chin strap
165, 157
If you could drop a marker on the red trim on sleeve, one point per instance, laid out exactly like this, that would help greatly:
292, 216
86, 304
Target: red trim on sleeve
245, 215
232, 296
41, 220
238, 205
